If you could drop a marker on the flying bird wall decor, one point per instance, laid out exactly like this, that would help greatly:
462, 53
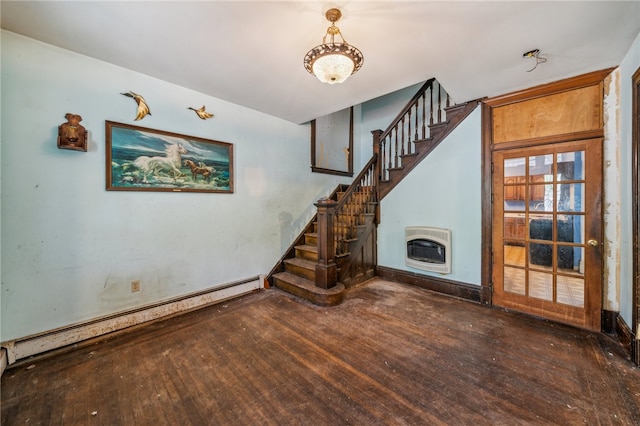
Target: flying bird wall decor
143, 108
202, 113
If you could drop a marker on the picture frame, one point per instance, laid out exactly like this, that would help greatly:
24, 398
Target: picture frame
143, 159
332, 143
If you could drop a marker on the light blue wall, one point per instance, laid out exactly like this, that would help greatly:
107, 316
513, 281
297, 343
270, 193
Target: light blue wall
70, 249
628, 67
443, 191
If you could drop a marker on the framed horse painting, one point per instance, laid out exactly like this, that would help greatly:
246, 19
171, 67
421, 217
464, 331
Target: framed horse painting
141, 159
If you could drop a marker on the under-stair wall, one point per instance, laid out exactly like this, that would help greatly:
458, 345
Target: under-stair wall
443, 191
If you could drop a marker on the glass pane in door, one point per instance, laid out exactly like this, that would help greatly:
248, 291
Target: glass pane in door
570, 290
570, 165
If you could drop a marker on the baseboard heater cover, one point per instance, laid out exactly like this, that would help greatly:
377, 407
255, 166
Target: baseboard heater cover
64, 336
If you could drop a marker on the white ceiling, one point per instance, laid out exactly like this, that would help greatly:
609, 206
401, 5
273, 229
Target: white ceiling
250, 53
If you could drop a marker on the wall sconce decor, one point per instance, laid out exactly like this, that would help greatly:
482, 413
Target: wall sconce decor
71, 135
333, 62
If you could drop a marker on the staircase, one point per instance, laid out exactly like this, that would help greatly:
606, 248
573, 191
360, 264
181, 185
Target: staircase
296, 271
338, 248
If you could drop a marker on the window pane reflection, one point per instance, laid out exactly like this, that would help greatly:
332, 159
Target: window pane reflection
541, 198
570, 260
571, 197
541, 285
514, 167
570, 228
570, 290
541, 168
514, 281
515, 227
571, 165
540, 254
514, 255
541, 227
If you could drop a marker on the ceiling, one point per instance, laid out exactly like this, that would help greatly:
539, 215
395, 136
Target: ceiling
250, 53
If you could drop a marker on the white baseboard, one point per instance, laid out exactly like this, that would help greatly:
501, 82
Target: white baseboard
18, 349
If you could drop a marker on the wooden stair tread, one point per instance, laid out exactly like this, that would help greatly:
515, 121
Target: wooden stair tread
308, 290
307, 247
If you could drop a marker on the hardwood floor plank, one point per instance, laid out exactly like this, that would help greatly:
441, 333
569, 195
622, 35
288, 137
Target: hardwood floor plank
390, 354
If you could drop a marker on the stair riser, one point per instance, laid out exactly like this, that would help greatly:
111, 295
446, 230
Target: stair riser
311, 240
306, 254
309, 274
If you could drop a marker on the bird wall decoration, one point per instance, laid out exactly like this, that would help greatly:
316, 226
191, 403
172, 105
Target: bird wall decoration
202, 113
143, 108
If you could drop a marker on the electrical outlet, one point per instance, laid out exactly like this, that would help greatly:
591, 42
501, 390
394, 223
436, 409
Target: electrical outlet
135, 286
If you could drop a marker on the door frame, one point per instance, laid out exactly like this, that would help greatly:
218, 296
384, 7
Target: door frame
635, 197
488, 147
589, 315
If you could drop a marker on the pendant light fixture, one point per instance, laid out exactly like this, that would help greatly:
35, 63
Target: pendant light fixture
333, 62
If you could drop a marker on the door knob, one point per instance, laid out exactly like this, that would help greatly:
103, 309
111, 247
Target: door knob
593, 243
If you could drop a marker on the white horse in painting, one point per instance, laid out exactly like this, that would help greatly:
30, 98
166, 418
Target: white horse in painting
171, 162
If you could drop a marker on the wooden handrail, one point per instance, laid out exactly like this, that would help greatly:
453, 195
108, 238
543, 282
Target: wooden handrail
427, 84
413, 124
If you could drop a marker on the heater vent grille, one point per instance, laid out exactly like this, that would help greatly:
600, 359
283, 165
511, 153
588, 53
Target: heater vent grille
428, 249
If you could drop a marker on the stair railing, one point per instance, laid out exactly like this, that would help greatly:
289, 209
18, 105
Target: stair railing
338, 221
426, 108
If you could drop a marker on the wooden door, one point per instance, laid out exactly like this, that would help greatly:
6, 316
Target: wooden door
547, 257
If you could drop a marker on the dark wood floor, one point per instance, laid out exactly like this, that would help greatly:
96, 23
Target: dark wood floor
390, 354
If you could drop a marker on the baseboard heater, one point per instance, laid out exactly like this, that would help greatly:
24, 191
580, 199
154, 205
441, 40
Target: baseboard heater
54, 339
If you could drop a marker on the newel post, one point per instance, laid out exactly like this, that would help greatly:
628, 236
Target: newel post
326, 268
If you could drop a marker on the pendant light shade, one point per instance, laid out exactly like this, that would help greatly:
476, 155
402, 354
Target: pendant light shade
333, 62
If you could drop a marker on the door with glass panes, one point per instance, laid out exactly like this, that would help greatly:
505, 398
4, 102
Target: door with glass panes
547, 212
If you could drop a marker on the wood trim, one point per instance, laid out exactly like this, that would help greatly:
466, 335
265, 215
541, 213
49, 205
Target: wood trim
571, 83
331, 172
635, 209
608, 322
568, 137
487, 205
471, 292
316, 169
624, 333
